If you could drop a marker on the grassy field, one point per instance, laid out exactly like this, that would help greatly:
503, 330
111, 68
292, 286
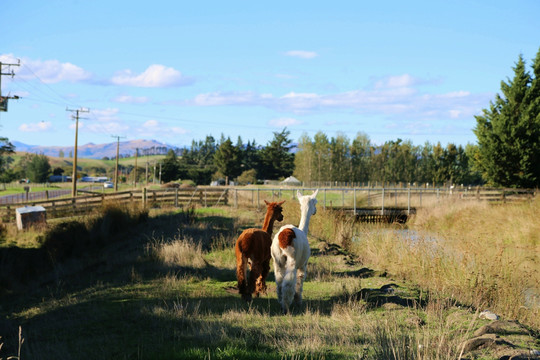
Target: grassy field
165, 289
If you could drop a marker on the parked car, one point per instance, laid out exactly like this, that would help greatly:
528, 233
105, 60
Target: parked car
108, 185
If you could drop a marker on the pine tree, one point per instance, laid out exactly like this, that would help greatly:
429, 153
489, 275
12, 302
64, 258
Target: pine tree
38, 168
170, 167
226, 159
276, 158
509, 132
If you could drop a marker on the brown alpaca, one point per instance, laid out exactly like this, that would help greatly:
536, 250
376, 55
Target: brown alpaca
253, 246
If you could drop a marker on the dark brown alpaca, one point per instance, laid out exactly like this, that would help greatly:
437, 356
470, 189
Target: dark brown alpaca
253, 246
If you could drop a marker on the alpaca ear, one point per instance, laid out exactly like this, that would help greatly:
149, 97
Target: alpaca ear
266, 202
314, 195
281, 202
298, 194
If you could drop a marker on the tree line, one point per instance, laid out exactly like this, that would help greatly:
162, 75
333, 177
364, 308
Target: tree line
208, 160
324, 159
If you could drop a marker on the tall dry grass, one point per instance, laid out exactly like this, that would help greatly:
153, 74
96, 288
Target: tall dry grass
482, 255
178, 252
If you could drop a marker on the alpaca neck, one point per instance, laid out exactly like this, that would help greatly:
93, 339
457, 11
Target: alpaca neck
304, 222
268, 224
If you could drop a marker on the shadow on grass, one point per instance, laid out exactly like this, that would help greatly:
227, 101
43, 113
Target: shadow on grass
102, 303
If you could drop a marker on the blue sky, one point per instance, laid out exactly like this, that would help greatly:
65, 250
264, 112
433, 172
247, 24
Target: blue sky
175, 71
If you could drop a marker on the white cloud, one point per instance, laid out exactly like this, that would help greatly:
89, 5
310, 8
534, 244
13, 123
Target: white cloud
102, 121
284, 122
179, 131
36, 127
154, 127
151, 125
154, 76
404, 80
302, 54
48, 71
402, 102
107, 128
127, 99
232, 98
103, 115
401, 81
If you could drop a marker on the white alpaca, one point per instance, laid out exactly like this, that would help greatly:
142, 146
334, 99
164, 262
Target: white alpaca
290, 252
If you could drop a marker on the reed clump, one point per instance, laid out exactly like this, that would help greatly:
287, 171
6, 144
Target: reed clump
482, 255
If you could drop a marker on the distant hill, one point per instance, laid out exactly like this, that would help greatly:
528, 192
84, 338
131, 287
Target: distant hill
98, 151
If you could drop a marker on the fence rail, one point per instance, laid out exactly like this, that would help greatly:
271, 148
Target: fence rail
353, 199
70, 206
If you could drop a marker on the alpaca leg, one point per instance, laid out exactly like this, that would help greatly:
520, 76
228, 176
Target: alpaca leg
241, 274
253, 276
299, 286
261, 281
288, 288
278, 273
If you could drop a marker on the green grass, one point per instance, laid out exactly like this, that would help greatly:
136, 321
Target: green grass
165, 289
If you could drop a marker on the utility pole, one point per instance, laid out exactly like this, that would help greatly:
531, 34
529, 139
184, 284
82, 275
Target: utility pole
135, 177
146, 175
4, 99
117, 155
74, 176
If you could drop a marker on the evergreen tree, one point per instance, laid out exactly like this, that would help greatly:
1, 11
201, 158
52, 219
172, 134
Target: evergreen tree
509, 131
226, 159
361, 158
170, 167
6, 149
276, 159
38, 168
251, 157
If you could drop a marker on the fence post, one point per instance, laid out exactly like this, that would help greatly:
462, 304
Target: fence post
354, 200
144, 197
47, 194
176, 197
236, 198
409, 201
382, 201
342, 198
258, 198
324, 199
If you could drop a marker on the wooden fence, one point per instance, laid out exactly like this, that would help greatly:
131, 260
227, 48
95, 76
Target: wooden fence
353, 199
71, 206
